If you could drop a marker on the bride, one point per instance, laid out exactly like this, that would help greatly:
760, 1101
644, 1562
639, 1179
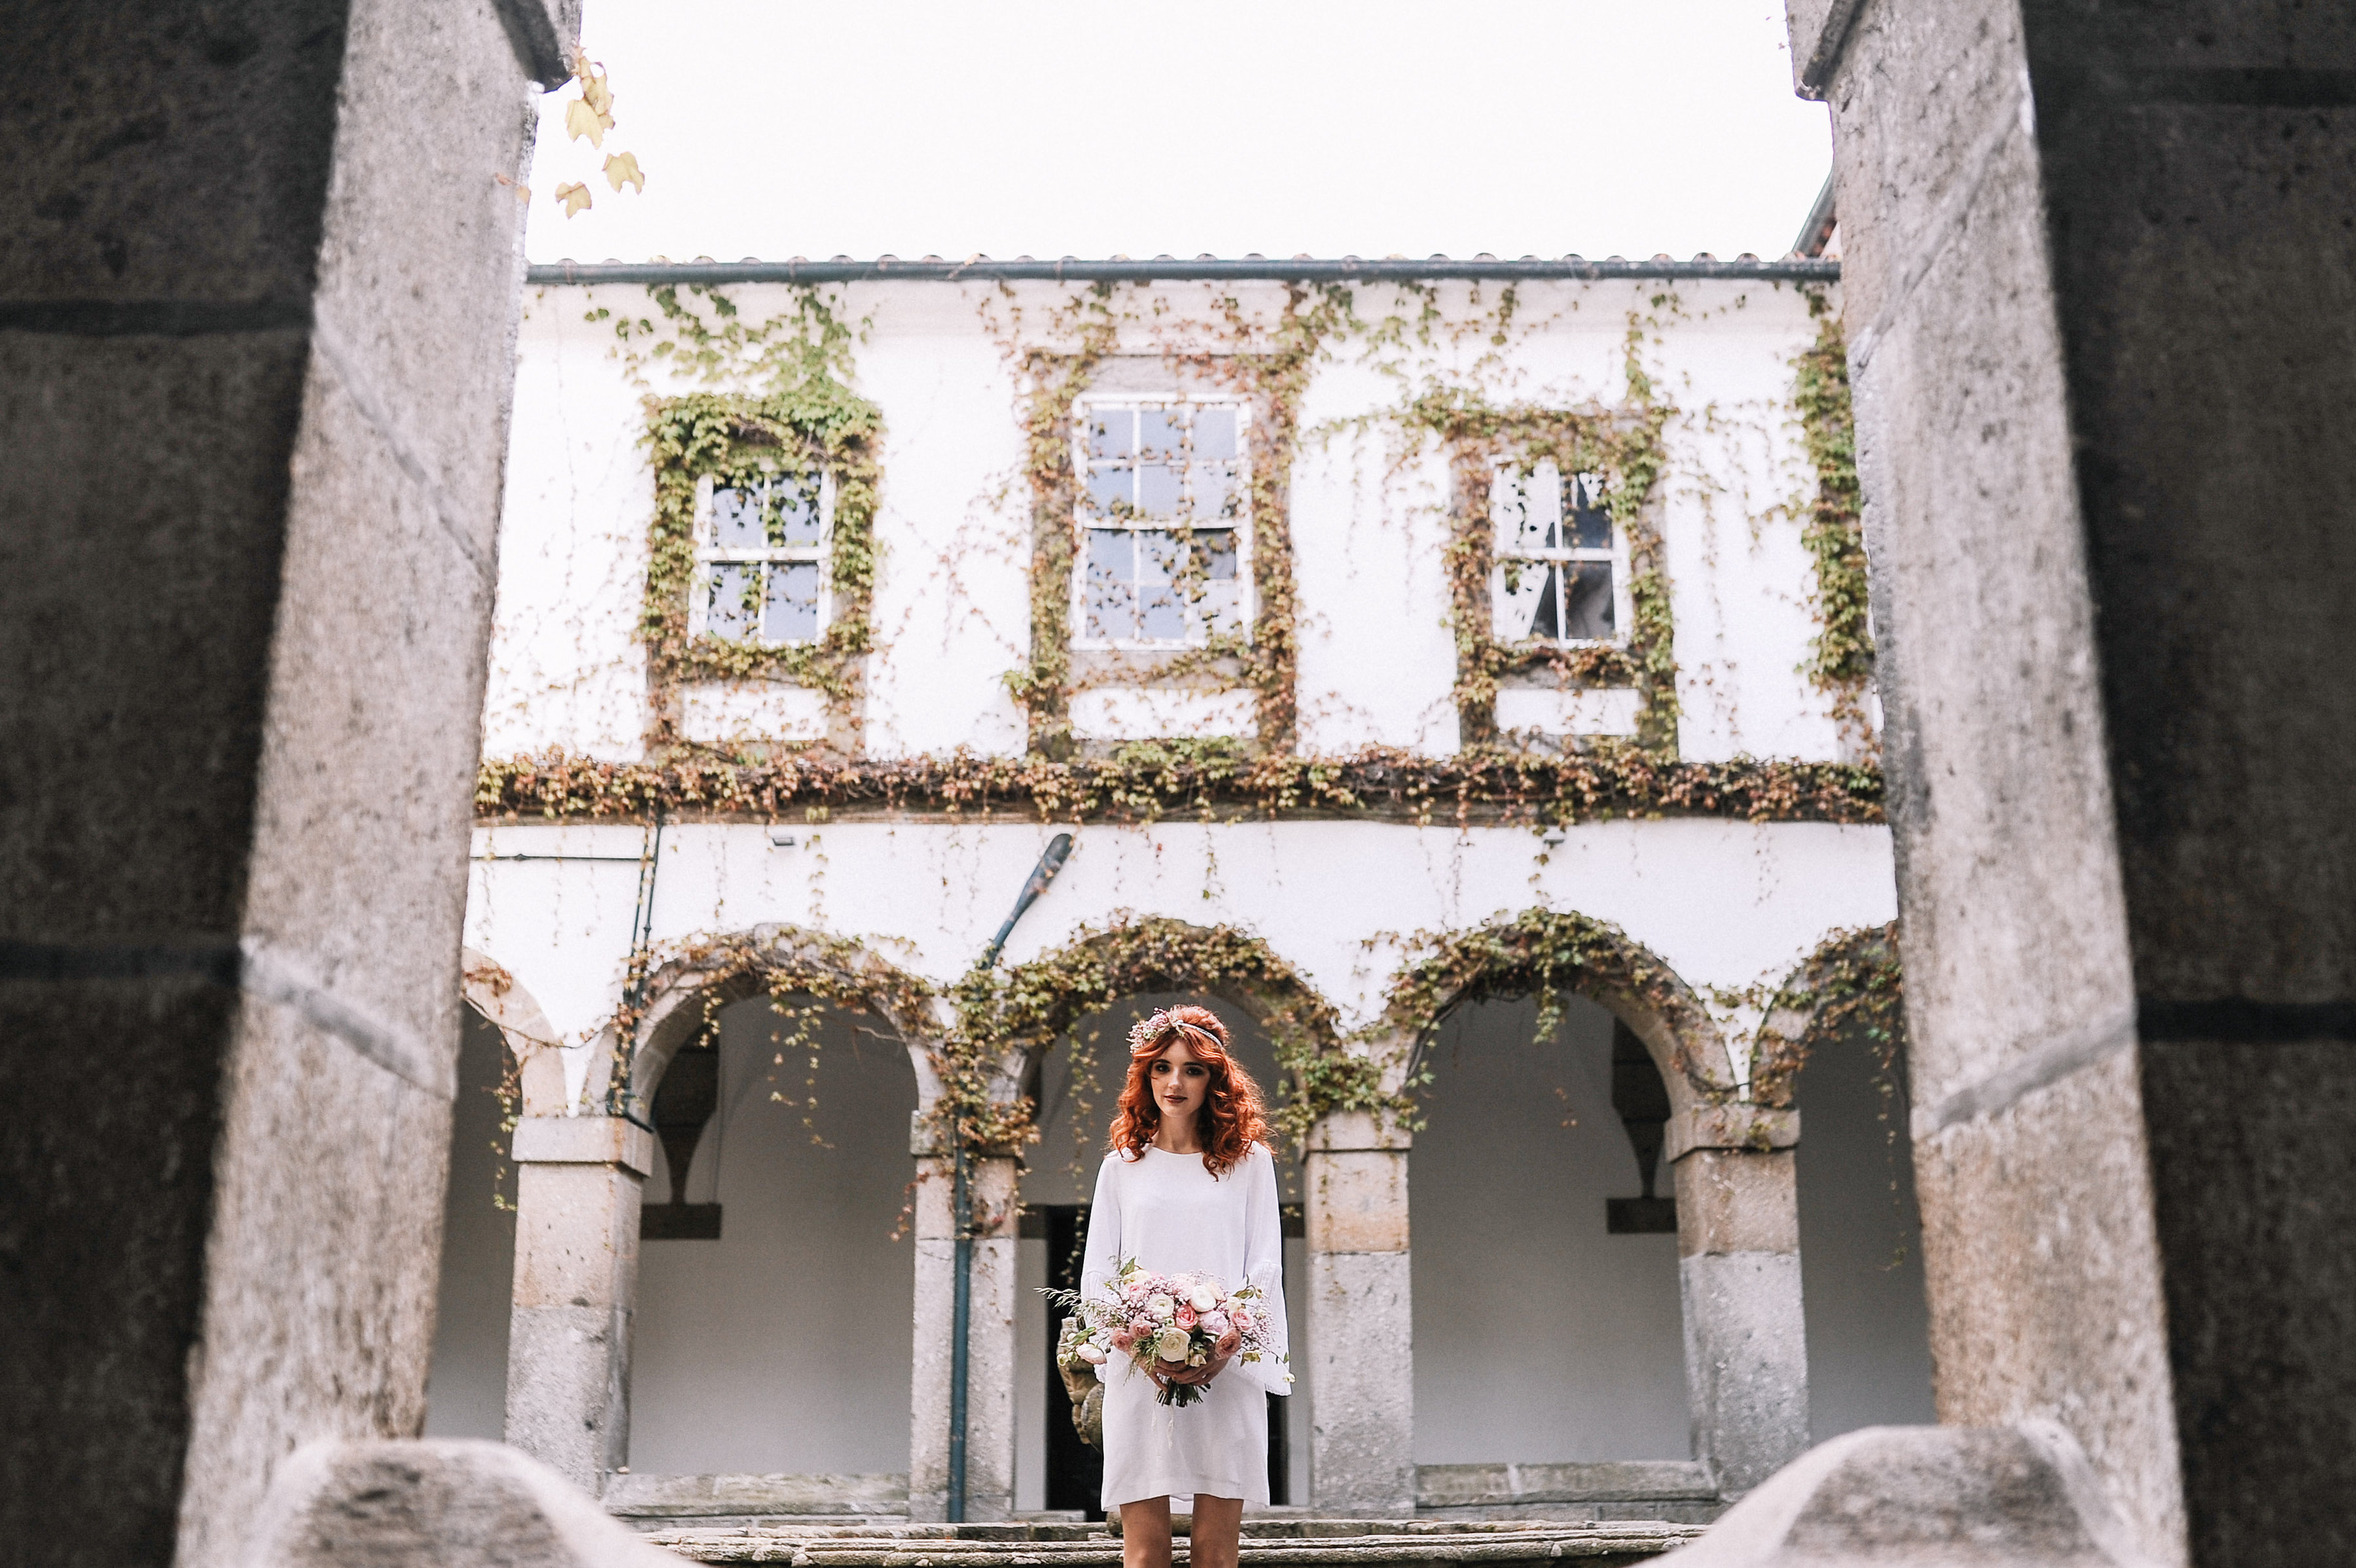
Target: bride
1189, 1185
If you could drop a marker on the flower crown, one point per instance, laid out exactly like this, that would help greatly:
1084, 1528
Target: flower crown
1147, 1030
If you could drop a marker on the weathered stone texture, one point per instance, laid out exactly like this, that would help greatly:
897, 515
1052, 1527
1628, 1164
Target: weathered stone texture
256, 309
575, 1297
1362, 1424
990, 1347
1745, 1363
1731, 1200
452, 1504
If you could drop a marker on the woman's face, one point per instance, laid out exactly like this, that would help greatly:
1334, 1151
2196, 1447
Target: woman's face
1179, 1082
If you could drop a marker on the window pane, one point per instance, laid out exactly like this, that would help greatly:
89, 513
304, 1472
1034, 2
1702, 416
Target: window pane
737, 517
1216, 548
1108, 598
1109, 491
794, 510
1589, 613
1159, 432
1515, 590
1215, 433
1161, 596
1519, 528
1112, 432
791, 614
733, 607
1214, 492
1585, 524
1157, 490
1542, 505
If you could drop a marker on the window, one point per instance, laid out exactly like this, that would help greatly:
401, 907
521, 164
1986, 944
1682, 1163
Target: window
1164, 543
1562, 569
761, 558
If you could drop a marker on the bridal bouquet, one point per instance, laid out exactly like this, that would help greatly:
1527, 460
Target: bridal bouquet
1166, 1322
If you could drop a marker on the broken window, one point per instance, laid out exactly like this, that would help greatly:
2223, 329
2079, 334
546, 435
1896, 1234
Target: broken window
1164, 545
1561, 573
760, 558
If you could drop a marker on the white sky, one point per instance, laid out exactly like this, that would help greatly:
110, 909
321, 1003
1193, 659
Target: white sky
777, 128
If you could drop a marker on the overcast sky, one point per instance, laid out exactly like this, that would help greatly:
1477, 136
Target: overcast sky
777, 128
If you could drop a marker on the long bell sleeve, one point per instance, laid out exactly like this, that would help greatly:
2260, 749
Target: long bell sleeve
1264, 1267
1102, 1254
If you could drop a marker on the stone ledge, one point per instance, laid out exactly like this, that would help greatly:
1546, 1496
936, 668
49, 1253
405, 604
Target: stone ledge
809, 1497
1757, 1128
1610, 1481
1354, 1542
1926, 1496
436, 1504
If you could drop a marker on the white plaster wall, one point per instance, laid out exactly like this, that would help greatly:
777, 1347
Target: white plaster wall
1723, 903
1538, 1338
1367, 512
784, 1346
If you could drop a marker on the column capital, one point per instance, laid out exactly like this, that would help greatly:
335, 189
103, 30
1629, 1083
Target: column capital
584, 1141
1351, 1131
1758, 1128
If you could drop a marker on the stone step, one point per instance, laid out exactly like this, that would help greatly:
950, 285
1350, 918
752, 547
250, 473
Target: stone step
1291, 1543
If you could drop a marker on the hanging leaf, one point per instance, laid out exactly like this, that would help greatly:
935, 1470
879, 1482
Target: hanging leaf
575, 197
599, 94
581, 120
622, 168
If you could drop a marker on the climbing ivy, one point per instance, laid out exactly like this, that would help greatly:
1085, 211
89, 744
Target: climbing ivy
1215, 780
1852, 986
1840, 660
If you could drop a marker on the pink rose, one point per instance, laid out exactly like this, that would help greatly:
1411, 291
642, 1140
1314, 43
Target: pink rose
1123, 1341
1186, 1317
1215, 1324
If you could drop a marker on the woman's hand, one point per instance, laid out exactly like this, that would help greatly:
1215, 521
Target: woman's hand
1221, 1354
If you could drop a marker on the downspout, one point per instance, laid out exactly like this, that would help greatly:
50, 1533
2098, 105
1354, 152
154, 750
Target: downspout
1059, 850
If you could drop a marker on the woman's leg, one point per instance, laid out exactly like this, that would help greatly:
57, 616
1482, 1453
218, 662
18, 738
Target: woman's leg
1145, 1534
1218, 1525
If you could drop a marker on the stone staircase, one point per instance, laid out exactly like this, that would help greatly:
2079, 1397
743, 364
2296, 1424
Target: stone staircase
1268, 1543
1501, 1515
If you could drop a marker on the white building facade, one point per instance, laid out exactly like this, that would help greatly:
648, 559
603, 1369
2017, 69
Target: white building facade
1436, 668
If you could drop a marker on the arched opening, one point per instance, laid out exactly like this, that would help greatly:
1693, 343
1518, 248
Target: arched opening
1551, 1055
1545, 1307
1860, 1233
466, 1390
1073, 1032
506, 1052
771, 1335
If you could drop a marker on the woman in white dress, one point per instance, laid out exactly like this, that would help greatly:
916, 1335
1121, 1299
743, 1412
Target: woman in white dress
1189, 1185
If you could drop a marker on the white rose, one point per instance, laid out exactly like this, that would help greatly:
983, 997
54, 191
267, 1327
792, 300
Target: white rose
1162, 1307
1091, 1355
1173, 1344
1204, 1299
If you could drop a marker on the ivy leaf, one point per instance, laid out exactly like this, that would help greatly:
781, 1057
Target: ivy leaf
622, 168
581, 120
574, 196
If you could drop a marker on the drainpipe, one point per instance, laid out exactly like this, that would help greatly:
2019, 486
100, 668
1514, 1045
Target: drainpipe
1059, 850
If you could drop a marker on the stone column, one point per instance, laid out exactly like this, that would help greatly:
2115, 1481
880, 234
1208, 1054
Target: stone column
1361, 1387
1739, 1280
990, 1380
258, 295
2096, 279
579, 1183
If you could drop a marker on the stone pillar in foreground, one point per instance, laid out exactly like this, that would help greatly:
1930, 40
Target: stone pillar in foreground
2098, 287
258, 296
990, 1380
580, 1183
1361, 1385
1738, 1280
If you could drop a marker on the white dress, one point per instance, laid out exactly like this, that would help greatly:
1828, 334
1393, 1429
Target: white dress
1173, 1217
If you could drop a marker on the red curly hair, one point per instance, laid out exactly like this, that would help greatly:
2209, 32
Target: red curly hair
1233, 1118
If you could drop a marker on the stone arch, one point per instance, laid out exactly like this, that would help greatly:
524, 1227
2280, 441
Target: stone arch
1852, 978
1540, 951
490, 990
686, 992
1137, 954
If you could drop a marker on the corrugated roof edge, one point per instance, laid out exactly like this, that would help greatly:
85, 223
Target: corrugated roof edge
1347, 269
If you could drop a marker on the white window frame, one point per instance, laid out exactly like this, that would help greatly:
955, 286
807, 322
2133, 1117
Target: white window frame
1623, 610
1246, 605
709, 554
